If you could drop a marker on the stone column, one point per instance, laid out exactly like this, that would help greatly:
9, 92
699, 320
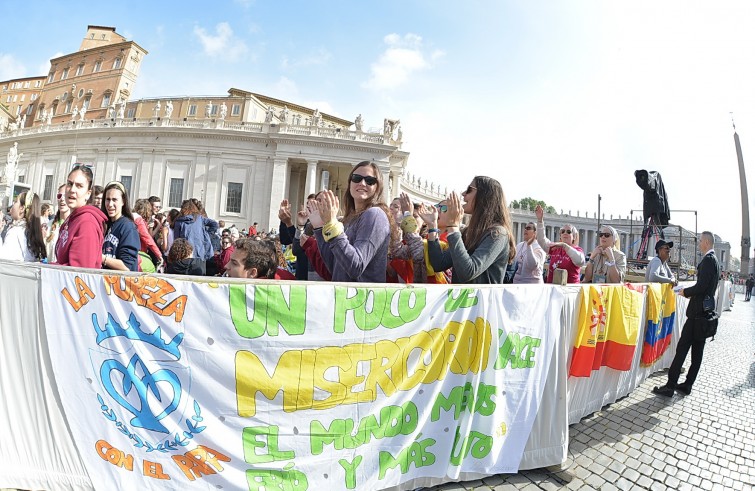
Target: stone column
310, 186
395, 186
277, 189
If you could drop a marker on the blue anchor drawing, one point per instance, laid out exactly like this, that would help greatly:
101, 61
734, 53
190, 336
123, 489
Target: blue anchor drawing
143, 417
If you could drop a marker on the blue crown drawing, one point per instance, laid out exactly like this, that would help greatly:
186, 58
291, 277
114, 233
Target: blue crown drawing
132, 331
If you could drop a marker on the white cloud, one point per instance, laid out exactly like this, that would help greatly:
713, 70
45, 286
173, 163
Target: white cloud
403, 57
320, 57
223, 44
286, 89
10, 67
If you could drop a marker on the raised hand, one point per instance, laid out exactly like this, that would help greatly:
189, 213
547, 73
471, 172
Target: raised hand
429, 215
302, 216
313, 209
284, 212
455, 210
539, 213
406, 203
328, 204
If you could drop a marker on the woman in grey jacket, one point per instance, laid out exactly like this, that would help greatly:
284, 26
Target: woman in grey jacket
480, 253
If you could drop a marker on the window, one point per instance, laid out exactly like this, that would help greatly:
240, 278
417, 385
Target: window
65, 74
29, 109
117, 63
26, 85
33, 98
81, 93
15, 98
130, 113
176, 194
235, 110
21, 178
214, 110
23, 96
192, 110
37, 84
127, 181
47, 190
51, 77
97, 67
9, 98
65, 96
68, 107
80, 70
106, 100
86, 102
233, 200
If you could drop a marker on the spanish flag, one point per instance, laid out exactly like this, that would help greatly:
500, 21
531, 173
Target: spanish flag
609, 321
661, 316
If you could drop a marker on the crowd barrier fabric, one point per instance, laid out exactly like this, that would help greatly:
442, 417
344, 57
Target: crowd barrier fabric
186, 384
158, 382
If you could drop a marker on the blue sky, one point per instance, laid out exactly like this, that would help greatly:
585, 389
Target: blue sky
558, 100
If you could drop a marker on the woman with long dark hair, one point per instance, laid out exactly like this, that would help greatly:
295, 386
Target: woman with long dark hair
357, 248
57, 221
480, 253
23, 239
82, 234
121, 248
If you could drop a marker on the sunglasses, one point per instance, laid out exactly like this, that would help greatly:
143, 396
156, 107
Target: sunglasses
441, 208
565, 231
60, 195
469, 189
369, 180
605, 234
533, 228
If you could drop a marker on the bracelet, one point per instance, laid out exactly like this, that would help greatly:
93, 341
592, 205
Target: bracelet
104, 262
433, 230
610, 263
332, 230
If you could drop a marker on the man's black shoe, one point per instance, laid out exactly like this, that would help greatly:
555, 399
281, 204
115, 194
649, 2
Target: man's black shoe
663, 390
685, 389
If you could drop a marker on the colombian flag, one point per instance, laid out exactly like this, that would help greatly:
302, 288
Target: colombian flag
661, 314
609, 320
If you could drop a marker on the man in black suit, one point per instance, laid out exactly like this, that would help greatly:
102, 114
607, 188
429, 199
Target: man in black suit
708, 272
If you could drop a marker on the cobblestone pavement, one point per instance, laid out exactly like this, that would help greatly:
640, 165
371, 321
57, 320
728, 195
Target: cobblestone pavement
702, 441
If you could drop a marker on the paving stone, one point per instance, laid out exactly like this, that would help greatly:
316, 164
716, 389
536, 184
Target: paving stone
631, 474
624, 484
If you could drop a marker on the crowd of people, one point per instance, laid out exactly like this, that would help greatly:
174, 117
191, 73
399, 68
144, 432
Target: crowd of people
362, 239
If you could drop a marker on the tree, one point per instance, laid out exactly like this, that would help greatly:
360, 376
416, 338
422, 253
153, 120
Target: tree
530, 204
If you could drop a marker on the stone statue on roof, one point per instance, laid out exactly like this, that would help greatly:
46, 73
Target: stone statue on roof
269, 114
168, 109
358, 123
223, 110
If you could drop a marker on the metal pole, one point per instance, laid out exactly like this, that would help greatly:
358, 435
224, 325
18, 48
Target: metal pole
599, 198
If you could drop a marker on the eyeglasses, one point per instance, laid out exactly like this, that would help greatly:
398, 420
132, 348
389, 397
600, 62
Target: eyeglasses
469, 189
565, 231
441, 208
60, 195
528, 227
605, 234
369, 180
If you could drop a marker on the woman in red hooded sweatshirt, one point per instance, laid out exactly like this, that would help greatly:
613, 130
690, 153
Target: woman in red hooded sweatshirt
82, 234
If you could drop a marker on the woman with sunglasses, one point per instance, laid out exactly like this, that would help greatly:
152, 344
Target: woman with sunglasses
60, 217
607, 263
566, 254
82, 234
357, 249
23, 239
121, 247
530, 258
479, 254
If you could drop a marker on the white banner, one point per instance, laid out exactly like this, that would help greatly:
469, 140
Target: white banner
171, 384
